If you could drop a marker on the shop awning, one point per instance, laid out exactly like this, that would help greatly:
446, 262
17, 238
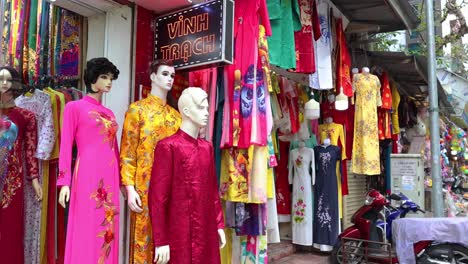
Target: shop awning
410, 72
381, 15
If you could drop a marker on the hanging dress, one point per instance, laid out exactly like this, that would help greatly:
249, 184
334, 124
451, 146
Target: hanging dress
93, 222
302, 177
22, 168
366, 159
326, 214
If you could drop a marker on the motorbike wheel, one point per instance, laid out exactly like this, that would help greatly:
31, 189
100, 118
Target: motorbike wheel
351, 258
460, 254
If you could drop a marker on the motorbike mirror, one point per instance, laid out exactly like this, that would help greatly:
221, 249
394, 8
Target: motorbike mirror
395, 197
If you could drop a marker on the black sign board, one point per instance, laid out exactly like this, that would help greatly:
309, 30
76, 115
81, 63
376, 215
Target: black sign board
196, 36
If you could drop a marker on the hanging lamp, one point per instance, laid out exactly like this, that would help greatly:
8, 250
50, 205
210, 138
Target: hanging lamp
312, 108
341, 102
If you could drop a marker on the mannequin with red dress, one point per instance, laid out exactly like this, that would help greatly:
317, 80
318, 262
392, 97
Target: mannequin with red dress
184, 202
20, 158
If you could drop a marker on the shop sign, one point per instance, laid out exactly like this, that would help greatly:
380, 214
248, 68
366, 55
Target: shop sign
195, 36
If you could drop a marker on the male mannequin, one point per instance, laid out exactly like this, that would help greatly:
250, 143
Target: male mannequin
146, 122
183, 194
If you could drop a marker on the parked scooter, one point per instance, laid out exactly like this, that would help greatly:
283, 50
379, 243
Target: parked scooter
373, 222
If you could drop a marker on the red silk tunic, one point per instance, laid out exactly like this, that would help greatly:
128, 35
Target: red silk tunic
184, 200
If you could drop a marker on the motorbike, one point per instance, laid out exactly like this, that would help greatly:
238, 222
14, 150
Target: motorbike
373, 222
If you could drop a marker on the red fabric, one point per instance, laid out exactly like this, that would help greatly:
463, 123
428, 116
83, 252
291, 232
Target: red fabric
315, 21
343, 62
385, 92
144, 49
50, 229
385, 126
248, 14
184, 201
305, 60
12, 220
283, 193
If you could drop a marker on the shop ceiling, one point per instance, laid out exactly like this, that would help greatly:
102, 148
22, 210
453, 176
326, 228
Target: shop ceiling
378, 15
165, 6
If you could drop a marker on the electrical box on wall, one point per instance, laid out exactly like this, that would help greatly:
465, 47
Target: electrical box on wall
196, 36
407, 176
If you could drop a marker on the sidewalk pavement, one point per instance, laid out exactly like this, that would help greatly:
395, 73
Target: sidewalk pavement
303, 258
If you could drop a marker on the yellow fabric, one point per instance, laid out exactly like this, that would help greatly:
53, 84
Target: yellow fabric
366, 158
270, 184
45, 202
395, 102
340, 194
236, 168
146, 122
55, 152
335, 132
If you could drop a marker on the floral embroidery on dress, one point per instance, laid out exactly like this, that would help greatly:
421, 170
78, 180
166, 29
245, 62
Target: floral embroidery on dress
299, 211
109, 126
299, 161
323, 214
61, 174
103, 199
12, 183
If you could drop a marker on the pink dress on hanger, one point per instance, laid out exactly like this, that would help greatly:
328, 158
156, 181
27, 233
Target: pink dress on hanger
93, 222
243, 78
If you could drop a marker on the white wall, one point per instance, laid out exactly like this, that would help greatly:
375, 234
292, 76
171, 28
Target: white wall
96, 35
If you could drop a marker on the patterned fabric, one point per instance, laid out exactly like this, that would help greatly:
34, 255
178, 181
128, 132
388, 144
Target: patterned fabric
336, 135
93, 222
22, 166
69, 43
146, 122
301, 164
8, 134
395, 103
40, 104
366, 159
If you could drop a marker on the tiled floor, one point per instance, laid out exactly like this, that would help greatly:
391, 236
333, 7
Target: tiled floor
303, 258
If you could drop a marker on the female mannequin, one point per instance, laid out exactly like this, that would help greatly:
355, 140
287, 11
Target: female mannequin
146, 122
184, 199
366, 159
302, 177
21, 156
93, 222
326, 212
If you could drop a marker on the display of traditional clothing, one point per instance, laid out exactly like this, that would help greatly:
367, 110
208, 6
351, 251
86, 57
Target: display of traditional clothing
146, 122
38, 103
326, 215
366, 159
284, 20
323, 78
93, 222
184, 203
244, 77
22, 168
283, 193
305, 57
302, 177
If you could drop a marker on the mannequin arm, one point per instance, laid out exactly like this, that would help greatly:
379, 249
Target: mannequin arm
134, 200
64, 196
162, 254
222, 238
37, 189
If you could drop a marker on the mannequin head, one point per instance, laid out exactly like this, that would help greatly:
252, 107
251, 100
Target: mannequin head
355, 70
162, 75
365, 70
193, 106
10, 85
99, 74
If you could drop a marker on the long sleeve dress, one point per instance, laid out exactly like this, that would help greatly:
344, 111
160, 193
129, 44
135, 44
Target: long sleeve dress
93, 222
22, 168
302, 177
146, 122
184, 200
366, 158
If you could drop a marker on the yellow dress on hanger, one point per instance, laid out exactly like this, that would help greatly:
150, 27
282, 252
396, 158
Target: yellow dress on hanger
146, 123
366, 158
